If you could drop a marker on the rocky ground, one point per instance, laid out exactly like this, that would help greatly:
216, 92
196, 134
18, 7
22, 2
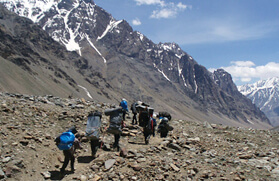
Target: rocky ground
193, 151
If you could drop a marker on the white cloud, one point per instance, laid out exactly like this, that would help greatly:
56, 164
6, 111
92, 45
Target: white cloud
169, 10
243, 63
181, 6
165, 9
136, 22
245, 71
150, 2
163, 13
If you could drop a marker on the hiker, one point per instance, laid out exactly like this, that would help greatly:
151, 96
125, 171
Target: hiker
154, 116
164, 114
92, 131
146, 121
124, 106
116, 123
164, 127
134, 110
70, 148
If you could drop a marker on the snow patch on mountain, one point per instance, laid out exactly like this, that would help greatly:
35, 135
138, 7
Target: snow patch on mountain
195, 82
112, 24
87, 92
161, 71
32, 9
141, 36
93, 46
70, 43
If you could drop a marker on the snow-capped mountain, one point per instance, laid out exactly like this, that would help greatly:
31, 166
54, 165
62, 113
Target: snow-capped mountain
265, 94
134, 67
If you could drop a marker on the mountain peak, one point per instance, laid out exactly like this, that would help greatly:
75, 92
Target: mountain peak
265, 94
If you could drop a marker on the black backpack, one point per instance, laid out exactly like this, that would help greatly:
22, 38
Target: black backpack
144, 118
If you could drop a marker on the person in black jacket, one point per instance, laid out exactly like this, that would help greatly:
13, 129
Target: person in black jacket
164, 127
144, 120
134, 110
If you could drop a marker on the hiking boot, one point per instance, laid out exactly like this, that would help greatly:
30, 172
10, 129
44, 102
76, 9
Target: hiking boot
62, 171
73, 169
117, 147
147, 141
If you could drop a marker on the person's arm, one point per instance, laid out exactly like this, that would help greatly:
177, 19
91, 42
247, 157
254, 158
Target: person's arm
77, 143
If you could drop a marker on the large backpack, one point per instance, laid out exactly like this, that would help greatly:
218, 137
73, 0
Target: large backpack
124, 105
165, 114
164, 125
65, 140
116, 116
144, 118
94, 122
133, 107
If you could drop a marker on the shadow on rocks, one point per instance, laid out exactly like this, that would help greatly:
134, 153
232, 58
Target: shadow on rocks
56, 175
85, 159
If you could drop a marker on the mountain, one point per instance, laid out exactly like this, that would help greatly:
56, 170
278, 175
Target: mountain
265, 94
118, 62
33, 63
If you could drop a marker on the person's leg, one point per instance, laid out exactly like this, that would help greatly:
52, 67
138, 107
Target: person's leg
164, 133
124, 113
66, 160
146, 135
94, 146
72, 163
116, 141
134, 119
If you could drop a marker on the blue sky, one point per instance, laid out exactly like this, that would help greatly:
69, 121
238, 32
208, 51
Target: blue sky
240, 36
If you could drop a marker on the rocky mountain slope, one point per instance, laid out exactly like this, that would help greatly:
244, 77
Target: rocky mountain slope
193, 151
32, 62
119, 62
264, 94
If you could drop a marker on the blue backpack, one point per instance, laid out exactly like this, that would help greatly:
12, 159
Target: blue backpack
66, 141
124, 105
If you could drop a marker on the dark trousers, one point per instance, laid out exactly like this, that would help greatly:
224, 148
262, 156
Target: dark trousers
124, 114
68, 156
94, 146
116, 140
164, 134
134, 121
147, 133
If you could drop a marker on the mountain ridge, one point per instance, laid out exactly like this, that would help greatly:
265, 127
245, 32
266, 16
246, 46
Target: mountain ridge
160, 74
265, 94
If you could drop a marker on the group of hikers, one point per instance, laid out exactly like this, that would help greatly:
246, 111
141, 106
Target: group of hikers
69, 140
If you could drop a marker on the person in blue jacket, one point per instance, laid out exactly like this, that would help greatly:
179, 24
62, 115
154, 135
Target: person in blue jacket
124, 106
